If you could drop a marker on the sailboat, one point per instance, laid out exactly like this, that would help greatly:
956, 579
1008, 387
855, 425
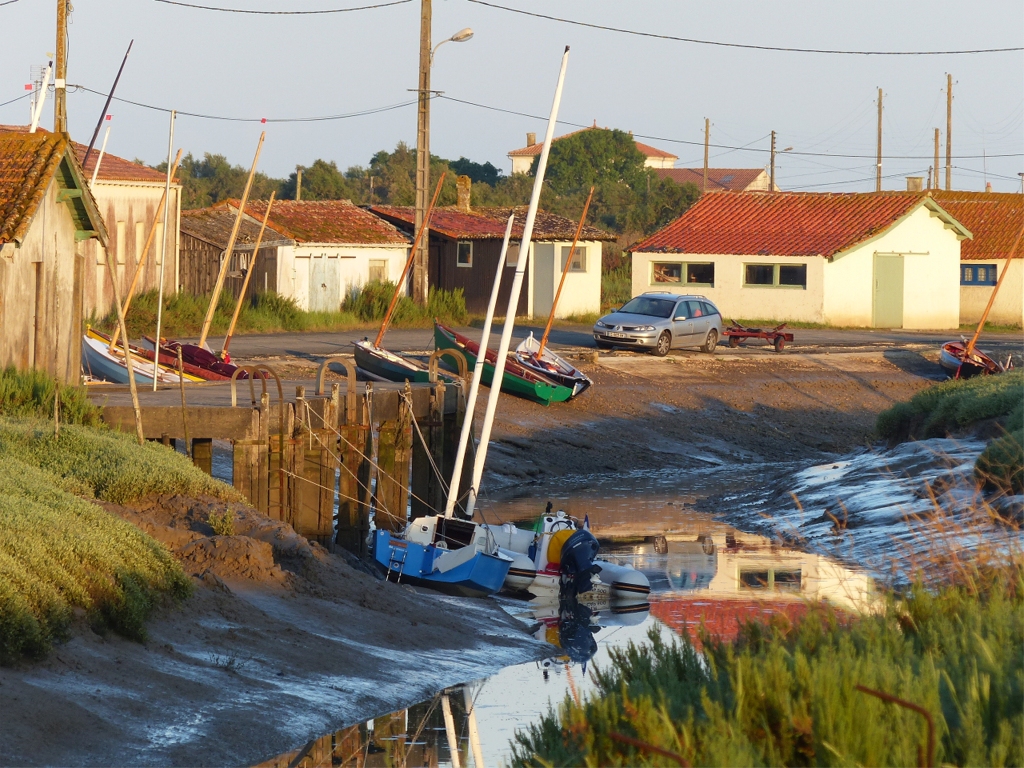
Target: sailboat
440, 551
103, 362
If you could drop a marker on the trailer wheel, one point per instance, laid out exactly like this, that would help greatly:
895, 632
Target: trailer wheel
780, 343
734, 341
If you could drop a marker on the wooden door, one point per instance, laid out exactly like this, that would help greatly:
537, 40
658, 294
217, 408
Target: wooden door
324, 284
887, 292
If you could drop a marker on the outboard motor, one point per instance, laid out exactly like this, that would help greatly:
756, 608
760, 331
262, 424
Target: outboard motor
577, 561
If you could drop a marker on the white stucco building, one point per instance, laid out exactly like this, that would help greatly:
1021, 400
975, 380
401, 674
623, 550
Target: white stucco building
874, 260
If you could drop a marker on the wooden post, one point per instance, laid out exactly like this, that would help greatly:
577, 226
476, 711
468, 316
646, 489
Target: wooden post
707, 137
878, 151
394, 450
428, 495
202, 454
354, 481
771, 176
949, 132
935, 177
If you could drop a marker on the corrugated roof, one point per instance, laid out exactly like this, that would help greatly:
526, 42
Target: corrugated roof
327, 221
994, 218
113, 168
488, 223
535, 149
214, 226
719, 179
785, 223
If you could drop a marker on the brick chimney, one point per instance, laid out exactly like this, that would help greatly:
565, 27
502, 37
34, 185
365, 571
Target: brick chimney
531, 139
915, 183
988, 186
463, 185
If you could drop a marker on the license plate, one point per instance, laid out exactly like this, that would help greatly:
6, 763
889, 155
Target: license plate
617, 335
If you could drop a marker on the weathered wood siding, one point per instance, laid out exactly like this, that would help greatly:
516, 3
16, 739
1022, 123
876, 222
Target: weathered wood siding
41, 295
200, 262
476, 281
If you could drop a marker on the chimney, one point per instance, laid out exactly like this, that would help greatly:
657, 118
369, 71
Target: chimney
915, 183
531, 139
988, 186
463, 184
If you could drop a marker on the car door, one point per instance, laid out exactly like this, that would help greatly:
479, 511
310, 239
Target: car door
700, 324
682, 325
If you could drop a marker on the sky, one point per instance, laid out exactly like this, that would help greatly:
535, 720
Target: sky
254, 66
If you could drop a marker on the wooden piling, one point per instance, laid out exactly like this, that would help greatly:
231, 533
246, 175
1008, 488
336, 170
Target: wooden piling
356, 446
202, 454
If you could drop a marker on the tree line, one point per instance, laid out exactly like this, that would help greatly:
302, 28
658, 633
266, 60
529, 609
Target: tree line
630, 200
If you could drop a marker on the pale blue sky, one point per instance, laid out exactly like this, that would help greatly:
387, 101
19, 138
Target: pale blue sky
277, 66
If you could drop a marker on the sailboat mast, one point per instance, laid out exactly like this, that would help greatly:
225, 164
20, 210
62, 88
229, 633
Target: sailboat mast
478, 372
517, 287
565, 271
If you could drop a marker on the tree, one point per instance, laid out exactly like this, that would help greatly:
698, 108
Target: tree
593, 157
478, 173
212, 179
323, 181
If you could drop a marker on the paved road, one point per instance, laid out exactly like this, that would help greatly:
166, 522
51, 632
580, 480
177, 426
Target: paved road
409, 340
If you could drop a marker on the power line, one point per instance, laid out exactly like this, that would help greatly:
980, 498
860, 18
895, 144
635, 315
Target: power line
718, 146
740, 45
362, 113
856, 181
277, 13
7, 2
19, 98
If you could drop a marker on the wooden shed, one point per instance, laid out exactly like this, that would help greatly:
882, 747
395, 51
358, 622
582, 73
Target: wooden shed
46, 213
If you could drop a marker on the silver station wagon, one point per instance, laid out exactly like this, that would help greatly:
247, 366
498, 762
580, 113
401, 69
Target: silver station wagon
660, 321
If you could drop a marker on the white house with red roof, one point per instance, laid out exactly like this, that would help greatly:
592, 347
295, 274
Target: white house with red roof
720, 179
522, 158
874, 260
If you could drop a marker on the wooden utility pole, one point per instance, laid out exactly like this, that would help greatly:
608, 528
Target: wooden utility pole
420, 263
935, 178
707, 133
60, 113
771, 175
949, 131
298, 183
878, 154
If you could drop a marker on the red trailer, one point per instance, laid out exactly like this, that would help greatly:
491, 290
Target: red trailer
777, 337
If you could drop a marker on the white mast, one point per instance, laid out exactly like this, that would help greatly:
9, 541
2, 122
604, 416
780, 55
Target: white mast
40, 99
163, 248
513, 299
478, 372
103, 150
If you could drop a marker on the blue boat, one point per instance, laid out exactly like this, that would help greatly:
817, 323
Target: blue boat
99, 362
439, 561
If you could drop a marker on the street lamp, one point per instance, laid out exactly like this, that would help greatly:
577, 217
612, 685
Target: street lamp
771, 175
420, 277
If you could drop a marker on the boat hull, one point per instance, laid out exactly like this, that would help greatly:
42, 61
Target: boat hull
100, 363
551, 366
953, 361
385, 365
406, 561
526, 384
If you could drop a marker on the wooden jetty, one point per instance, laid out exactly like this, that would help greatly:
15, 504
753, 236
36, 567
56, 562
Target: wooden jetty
318, 455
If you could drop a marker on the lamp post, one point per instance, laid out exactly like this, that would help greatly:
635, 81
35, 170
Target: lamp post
420, 281
771, 175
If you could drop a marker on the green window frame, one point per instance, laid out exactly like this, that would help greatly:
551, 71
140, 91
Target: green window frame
697, 273
762, 275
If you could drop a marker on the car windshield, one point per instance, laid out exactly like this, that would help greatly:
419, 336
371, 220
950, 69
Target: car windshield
645, 305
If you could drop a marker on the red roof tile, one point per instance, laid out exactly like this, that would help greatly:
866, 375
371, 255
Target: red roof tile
784, 223
719, 179
994, 219
327, 221
488, 223
27, 164
214, 226
534, 150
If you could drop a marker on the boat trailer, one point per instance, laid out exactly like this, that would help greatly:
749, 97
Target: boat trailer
777, 337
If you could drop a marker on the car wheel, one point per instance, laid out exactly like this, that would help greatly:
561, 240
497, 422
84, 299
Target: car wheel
711, 343
664, 344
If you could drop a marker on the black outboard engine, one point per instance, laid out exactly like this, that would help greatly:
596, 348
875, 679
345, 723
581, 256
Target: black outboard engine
577, 562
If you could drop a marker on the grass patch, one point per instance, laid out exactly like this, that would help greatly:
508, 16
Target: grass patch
60, 552
991, 328
370, 302
31, 393
784, 693
616, 286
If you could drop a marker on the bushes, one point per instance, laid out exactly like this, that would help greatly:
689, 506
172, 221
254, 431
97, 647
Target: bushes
31, 393
784, 694
616, 286
370, 303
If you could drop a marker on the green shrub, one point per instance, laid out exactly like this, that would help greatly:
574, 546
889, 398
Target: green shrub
616, 286
223, 523
31, 393
370, 303
784, 694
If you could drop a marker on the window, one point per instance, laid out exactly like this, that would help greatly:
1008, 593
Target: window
644, 305
122, 242
695, 309
158, 243
512, 255
140, 240
700, 273
775, 275
709, 308
464, 254
978, 274
378, 270
579, 258
662, 272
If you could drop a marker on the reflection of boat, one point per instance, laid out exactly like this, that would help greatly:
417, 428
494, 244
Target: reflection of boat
954, 360
571, 624
548, 364
100, 361
517, 379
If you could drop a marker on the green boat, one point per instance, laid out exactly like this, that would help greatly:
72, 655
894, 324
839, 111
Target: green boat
517, 380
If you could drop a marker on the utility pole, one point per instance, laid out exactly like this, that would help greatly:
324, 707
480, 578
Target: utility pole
420, 263
707, 133
298, 183
878, 155
771, 175
935, 178
60, 113
949, 131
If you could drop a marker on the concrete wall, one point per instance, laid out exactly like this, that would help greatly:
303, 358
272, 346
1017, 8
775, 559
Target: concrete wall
582, 291
731, 296
40, 295
1009, 305
132, 207
354, 266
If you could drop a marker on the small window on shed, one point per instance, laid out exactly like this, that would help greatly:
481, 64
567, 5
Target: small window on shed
759, 274
793, 274
701, 274
464, 255
978, 274
378, 270
579, 258
662, 272
512, 255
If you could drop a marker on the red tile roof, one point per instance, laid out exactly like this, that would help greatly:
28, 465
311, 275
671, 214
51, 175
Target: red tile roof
785, 223
27, 164
488, 223
719, 179
214, 226
534, 149
113, 168
327, 221
994, 219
